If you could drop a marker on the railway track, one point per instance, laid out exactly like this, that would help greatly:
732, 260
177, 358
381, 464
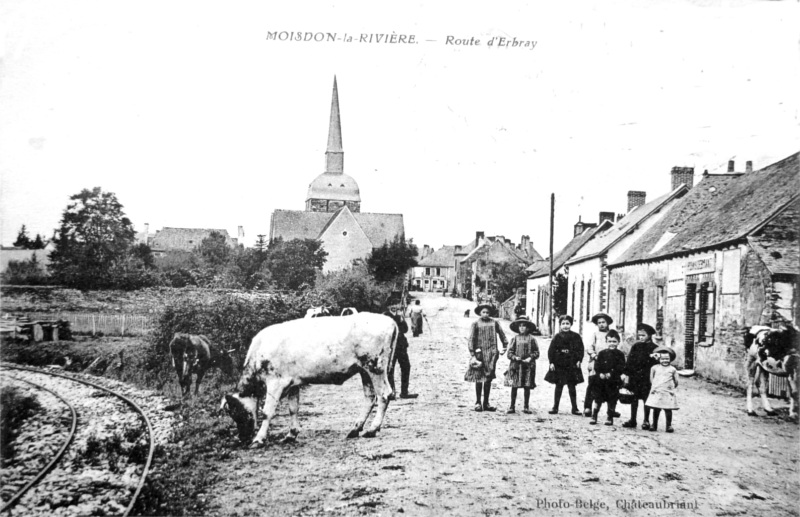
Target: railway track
95, 462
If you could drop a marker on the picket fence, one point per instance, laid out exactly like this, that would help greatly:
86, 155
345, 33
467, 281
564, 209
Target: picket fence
107, 324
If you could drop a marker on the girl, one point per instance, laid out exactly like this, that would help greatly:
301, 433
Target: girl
522, 352
482, 343
664, 381
565, 355
637, 373
597, 343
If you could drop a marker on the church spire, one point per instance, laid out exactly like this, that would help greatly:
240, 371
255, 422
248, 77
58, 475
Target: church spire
334, 156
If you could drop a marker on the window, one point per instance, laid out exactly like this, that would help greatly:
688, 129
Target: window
704, 315
580, 310
438, 271
621, 318
639, 307
660, 310
588, 299
427, 271
572, 306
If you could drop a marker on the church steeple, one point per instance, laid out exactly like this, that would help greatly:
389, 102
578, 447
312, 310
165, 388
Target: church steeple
334, 155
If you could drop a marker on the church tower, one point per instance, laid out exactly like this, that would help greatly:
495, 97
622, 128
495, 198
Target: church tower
333, 189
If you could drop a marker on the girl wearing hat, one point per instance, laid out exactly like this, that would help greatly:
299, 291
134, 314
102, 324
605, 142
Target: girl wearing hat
522, 352
664, 381
637, 373
598, 343
565, 355
482, 343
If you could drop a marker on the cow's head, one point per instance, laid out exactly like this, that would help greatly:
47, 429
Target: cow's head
243, 411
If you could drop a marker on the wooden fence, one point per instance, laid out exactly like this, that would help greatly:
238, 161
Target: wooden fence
107, 324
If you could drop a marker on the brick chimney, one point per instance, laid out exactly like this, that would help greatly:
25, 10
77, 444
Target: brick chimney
605, 216
620, 216
730, 165
478, 237
683, 175
748, 167
458, 250
636, 198
426, 250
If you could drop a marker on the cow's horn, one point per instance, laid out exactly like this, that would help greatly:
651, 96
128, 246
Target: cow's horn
232, 350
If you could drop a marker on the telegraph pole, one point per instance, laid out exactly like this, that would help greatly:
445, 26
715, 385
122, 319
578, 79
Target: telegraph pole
550, 281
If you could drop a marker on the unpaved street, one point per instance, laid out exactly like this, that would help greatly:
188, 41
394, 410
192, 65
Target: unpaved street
436, 456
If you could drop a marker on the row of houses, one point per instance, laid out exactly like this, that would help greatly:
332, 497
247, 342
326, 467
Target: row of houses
699, 263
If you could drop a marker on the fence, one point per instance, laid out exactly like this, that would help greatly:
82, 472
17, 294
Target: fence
778, 386
108, 324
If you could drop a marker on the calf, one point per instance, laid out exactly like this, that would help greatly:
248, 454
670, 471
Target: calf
194, 354
320, 351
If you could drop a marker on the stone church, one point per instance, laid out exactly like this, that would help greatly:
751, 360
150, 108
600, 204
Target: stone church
333, 210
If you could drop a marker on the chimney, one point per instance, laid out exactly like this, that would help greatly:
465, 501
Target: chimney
730, 165
636, 198
478, 237
426, 250
241, 234
508, 241
620, 216
579, 227
605, 216
458, 250
683, 175
146, 233
748, 167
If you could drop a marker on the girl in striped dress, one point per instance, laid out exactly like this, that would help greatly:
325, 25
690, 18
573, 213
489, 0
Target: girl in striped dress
522, 352
482, 343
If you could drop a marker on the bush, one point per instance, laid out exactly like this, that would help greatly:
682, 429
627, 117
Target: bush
25, 272
354, 287
15, 408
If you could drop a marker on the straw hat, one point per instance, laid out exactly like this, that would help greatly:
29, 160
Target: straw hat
602, 315
482, 306
647, 328
522, 319
666, 350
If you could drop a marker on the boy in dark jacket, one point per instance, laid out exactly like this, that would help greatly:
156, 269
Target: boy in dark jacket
608, 368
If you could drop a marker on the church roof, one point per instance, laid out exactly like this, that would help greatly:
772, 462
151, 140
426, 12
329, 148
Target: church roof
334, 186
298, 224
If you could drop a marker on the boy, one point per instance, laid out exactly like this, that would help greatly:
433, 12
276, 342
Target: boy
608, 367
595, 345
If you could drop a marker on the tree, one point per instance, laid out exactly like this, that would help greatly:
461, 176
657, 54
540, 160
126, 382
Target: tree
214, 250
505, 278
261, 244
93, 235
23, 241
24, 272
38, 243
295, 263
392, 260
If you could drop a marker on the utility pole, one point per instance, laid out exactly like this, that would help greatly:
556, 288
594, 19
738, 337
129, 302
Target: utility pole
550, 280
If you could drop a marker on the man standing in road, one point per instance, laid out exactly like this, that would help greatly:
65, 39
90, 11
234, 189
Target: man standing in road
401, 356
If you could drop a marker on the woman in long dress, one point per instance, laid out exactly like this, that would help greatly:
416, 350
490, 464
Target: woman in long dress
482, 344
416, 319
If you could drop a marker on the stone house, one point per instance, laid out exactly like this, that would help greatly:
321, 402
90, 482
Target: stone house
724, 258
587, 289
183, 239
483, 250
436, 271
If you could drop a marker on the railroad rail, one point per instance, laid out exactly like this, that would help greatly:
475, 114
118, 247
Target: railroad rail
41, 475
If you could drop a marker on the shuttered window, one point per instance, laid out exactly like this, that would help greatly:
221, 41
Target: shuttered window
621, 317
704, 314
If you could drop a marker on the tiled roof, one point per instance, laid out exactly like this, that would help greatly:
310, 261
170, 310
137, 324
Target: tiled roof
719, 209
299, 224
542, 268
603, 241
443, 257
183, 238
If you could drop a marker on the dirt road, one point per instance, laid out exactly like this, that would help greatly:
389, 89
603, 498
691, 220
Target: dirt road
436, 456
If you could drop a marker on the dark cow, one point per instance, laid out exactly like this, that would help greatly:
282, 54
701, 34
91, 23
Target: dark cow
284, 357
775, 352
194, 354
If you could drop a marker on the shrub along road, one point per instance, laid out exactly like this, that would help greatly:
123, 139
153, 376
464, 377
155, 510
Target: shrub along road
436, 456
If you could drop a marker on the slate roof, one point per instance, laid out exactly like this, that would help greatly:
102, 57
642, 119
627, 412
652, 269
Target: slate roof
602, 242
184, 238
720, 209
781, 257
539, 268
299, 224
443, 257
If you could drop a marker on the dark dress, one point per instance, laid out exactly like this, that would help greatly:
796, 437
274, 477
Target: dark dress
483, 335
565, 352
638, 366
519, 374
607, 390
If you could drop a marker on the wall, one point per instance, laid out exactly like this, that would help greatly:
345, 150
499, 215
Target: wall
344, 248
584, 271
533, 288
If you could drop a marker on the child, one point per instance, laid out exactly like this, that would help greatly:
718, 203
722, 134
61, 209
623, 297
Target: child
664, 381
565, 355
482, 343
608, 368
637, 373
522, 351
597, 343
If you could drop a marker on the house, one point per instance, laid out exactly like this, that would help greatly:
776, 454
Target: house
435, 271
182, 239
538, 282
587, 289
332, 212
724, 258
9, 253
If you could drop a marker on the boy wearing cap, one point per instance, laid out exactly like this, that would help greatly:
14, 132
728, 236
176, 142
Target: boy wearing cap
595, 345
609, 364
637, 373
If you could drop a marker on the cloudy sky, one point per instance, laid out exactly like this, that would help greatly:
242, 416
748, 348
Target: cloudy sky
195, 119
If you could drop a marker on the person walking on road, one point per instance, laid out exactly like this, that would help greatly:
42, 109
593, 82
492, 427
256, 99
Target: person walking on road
482, 344
416, 315
523, 351
401, 356
608, 367
565, 355
664, 382
636, 376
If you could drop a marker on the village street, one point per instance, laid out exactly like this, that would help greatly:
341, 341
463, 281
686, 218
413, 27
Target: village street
436, 456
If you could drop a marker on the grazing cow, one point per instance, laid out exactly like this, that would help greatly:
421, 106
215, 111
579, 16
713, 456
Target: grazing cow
774, 352
325, 351
318, 312
349, 311
195, 354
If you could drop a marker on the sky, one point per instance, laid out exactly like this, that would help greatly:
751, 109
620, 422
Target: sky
194, 118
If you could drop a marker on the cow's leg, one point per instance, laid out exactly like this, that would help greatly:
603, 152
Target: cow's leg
369, 403
200, 373
750, 367
293, 394
792, 397
762, 380
275, 388
379, 379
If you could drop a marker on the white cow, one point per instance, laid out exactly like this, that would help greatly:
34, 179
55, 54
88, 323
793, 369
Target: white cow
318, 312
313, 351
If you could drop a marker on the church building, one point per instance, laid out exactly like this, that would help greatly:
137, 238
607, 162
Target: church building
333, 210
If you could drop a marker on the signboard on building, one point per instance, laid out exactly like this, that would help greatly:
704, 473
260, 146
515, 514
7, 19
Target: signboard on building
703, 264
